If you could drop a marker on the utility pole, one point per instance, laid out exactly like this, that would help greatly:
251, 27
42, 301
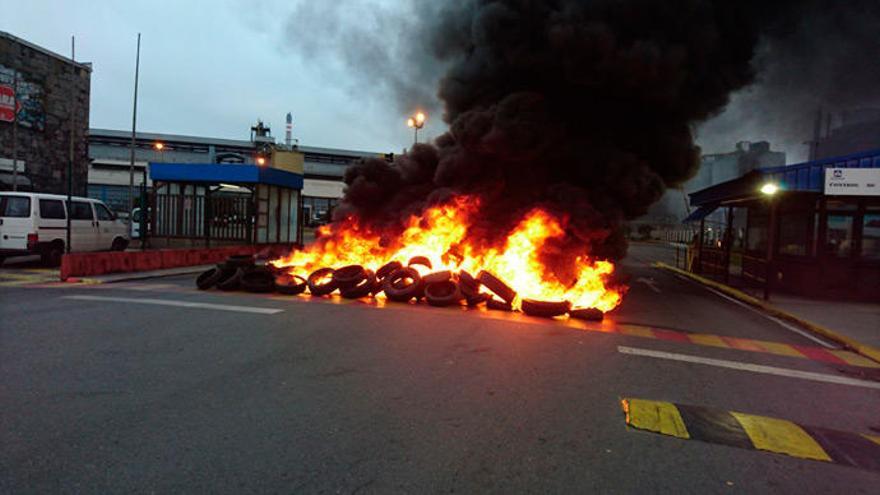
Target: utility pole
72, 119
137, 64
14, 130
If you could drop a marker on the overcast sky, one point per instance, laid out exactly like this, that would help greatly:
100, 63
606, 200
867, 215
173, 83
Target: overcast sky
211, 68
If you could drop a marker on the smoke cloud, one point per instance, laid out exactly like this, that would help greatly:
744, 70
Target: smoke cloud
583, 108
818, 56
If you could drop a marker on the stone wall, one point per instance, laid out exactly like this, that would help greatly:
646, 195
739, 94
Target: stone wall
45, 109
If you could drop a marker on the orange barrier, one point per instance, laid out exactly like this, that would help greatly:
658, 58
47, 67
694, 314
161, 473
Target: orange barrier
101, 263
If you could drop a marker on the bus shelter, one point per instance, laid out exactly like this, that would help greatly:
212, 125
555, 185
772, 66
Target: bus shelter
811, 229
204, 204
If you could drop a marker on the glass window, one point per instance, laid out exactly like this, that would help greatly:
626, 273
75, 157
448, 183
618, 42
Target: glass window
756, 237
51, 208
871, 236
81, 211
841, 205
15, 206
838, 239
102, 212
793, 233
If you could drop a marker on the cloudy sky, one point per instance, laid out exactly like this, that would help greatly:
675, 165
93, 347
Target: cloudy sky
211, 68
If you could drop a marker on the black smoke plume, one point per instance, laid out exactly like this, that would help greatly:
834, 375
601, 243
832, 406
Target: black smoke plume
585, 108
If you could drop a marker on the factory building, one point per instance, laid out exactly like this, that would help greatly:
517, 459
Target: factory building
44, 107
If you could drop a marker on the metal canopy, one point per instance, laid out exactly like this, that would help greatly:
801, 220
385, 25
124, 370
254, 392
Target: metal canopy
215, 173
803, 177
700, 213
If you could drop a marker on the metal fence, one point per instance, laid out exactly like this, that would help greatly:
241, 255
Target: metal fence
186, 216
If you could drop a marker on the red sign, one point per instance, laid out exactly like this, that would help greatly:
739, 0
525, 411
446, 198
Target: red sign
7, 103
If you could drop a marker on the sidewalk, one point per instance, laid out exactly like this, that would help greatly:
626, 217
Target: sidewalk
860, 321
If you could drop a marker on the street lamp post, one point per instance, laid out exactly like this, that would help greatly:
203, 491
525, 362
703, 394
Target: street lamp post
769, 190
417, 121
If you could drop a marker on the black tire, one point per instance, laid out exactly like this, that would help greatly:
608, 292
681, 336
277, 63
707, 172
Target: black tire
240, 261
388, 269
319, 288
258, 281
362, 289
119, 244
396, 289
349, 276
420, 260
546, 309
499, 305
443, 293
466, 280
477, 299
51, 254
209, 278
588, 314
434, 277
231, 279
498, 287
290, 285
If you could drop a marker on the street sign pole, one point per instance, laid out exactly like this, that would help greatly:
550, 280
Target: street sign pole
72, 127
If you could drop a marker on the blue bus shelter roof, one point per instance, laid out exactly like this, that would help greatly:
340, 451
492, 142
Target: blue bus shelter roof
226, 173
802, 177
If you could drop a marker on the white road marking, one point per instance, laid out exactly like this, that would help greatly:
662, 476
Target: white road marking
180, 304
650, 283
802, 333
754, 368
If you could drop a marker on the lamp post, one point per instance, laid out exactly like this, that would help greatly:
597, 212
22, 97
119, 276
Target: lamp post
769, 191
417, 121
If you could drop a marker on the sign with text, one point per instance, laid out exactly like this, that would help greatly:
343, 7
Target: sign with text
852, 181
7, 103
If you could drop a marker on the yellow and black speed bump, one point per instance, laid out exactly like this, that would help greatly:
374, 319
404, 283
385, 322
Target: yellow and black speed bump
754, 432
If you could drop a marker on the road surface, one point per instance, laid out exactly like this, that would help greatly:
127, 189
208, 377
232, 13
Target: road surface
153, 386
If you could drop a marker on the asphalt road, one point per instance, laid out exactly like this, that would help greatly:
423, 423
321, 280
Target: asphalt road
101, 394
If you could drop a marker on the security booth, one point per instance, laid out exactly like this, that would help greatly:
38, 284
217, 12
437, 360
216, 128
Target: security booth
811, 229
212, 204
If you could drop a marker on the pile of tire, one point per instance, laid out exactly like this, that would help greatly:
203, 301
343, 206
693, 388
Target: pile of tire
399, 283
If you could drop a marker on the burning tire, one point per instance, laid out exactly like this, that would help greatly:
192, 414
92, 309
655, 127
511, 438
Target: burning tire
290, 285
258, 281
441, 276
209, 278
588, 314
349, 276
388, 269
320, 282
420, 260
443, 293
493, 303
231, 279
240, 261
547, 309
498, 287
403, 284
362, 288
477, 299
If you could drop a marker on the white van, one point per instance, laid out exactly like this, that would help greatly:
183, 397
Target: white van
35, 223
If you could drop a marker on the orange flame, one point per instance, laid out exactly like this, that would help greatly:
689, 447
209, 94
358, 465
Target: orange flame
440, 234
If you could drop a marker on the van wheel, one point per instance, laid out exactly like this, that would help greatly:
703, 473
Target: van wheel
51, 255
119, 244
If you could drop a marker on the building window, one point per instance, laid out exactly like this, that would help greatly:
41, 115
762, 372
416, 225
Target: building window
794, 228
756, 236
838, 238
51, 208
871, 234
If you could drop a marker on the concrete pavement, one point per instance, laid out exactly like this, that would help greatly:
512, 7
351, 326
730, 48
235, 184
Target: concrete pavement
102, 394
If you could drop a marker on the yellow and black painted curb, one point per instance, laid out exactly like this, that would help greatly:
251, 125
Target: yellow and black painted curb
859, 347
749, 431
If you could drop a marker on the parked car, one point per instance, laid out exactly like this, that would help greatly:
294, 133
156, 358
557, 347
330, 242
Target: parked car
36, 223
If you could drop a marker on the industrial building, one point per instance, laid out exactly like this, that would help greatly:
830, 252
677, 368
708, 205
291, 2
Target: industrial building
109, 170
44, 118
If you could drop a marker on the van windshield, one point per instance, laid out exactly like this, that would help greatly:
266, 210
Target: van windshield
15, 206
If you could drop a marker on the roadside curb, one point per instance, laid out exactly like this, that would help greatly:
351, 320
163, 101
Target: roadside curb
866, 350
126, 277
